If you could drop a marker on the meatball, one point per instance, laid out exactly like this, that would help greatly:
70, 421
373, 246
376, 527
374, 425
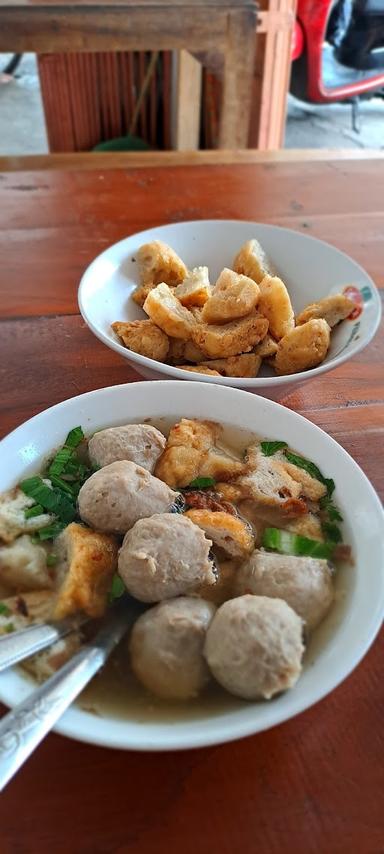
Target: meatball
115, 497
140, 443
305, 583
164, 556
254, 646
166, 647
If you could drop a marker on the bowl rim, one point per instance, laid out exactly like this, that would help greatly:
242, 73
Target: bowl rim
240, 382
236, 729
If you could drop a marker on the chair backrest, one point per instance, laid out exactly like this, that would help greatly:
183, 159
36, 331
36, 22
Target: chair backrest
89, 98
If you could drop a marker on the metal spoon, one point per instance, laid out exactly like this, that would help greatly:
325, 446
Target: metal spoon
22, 729
19, 645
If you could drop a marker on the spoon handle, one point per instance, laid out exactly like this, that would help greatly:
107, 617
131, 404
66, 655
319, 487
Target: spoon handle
22, 729
19, 645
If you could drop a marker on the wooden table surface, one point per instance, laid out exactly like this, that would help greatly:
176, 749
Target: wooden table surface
315, 783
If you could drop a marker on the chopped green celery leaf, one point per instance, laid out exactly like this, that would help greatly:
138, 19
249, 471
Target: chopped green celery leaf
201, 483
311, 469
330, 484
332, 532
50, 532
270, 448
117, 588
51, 559
4, 610
330, 508
60, 461
334, 514
36, 510
287, 543
50, 499
9, 628
74, 437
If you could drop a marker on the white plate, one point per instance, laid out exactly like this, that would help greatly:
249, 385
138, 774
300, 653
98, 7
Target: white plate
310, 268
340, 642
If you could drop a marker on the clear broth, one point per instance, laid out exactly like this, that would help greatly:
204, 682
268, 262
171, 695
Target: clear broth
116, 693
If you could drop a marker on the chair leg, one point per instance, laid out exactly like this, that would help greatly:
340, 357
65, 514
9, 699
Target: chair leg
238, 77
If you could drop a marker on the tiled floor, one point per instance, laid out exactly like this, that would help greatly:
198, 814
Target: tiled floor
22, 129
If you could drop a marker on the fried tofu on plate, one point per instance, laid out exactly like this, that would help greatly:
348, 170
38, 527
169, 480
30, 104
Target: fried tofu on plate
232, 327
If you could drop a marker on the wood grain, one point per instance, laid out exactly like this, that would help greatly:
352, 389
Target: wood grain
61, 220
139, 159
314, 784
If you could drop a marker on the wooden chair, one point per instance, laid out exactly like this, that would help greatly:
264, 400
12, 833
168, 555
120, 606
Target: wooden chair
224, 27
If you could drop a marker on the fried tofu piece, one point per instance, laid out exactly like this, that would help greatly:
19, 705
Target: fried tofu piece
12, 516
87, 562
229, 492
245, 365
307, 526
159, 263
143, 337
268, 484
192, 452
333, 309
266, 348
227, 532
188, 442
311, 488
230, 339
220, 465
199, 369
192, 352
304, 347
183, 351
23, 566
233, 296
140, 294
223, 589
252, 261
195, 289
275, 305
166, 311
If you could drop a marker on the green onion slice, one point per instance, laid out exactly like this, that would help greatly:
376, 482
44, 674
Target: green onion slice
50, 532
51, 499
36, 510
117, 588
287, 543
74, 437
4, 610
60, 461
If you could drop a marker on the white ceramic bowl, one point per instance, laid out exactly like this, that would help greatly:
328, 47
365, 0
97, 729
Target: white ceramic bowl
340, 642
310, 268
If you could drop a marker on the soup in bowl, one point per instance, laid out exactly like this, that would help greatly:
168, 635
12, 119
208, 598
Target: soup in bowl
237, 543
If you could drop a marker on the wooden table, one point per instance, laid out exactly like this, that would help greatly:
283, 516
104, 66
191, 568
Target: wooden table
314, 784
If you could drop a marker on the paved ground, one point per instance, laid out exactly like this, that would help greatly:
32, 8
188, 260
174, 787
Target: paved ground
22, 128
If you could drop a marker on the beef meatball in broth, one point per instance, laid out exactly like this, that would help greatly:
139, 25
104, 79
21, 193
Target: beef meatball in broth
140, 443
254, 647
305, 583
166, 648
165, 556
115, 497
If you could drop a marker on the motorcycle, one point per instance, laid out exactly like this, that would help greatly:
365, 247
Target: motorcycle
338, 52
